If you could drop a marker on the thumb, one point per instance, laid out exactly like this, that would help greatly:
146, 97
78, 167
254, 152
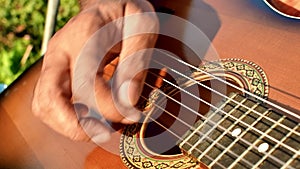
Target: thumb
128, 82
138, 39
95, 129
92, 126
129, 92
128, 96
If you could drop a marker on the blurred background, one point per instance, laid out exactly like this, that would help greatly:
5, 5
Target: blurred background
21, 33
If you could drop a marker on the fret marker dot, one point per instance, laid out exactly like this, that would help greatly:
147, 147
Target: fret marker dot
236, 132
263, 147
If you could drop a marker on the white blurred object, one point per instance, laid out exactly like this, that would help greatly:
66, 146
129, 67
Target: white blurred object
2, 87
52, 10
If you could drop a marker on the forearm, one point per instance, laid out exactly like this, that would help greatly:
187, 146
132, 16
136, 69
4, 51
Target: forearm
84, 4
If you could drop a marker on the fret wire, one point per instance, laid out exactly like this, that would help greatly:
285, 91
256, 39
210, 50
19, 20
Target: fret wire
227, 130
253, 146
219, 122
196, 129
239, 137
169, 113
174, 134
273, 149
220, 94
253, 128
213, 122
204, 118
291, 159
232, 85
221, 145
234, 154
289, 162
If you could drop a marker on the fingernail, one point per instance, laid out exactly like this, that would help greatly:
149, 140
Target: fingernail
132, 117
129, 93
81, 109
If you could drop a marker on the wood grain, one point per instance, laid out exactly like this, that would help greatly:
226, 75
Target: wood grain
237, 29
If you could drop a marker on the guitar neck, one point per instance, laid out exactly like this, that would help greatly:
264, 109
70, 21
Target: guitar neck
241, 133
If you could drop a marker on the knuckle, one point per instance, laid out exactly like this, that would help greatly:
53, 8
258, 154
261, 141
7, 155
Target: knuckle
40, 105
35, 108
76, 133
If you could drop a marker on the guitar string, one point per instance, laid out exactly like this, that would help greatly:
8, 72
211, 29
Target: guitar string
234, 86
193, 128
256, 112
240, 89
224, 96
273, 149
176, 135
253, 128
193, 111
270, 119
263, 83
180, 138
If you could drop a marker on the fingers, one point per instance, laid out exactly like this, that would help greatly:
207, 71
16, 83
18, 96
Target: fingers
109, 106
51, 106
139, 38
116, 102
52, 103
64, 118
61, 84
95, 129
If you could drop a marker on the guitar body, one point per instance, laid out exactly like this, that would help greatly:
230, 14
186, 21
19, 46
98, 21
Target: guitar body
239, 29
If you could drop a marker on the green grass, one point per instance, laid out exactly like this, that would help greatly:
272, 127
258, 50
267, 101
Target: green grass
21, 29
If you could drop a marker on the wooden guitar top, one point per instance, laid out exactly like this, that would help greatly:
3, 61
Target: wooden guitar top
238, 29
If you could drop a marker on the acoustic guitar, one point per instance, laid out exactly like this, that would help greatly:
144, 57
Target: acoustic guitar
239, 111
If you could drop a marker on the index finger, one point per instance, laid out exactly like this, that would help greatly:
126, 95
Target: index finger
139, 37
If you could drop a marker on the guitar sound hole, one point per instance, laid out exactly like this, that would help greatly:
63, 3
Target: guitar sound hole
163, 140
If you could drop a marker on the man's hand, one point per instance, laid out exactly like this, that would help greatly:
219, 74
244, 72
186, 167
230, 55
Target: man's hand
62, 96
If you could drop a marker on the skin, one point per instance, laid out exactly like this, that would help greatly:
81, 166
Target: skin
55, 102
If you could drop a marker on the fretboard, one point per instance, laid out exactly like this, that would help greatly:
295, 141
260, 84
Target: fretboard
241, 133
